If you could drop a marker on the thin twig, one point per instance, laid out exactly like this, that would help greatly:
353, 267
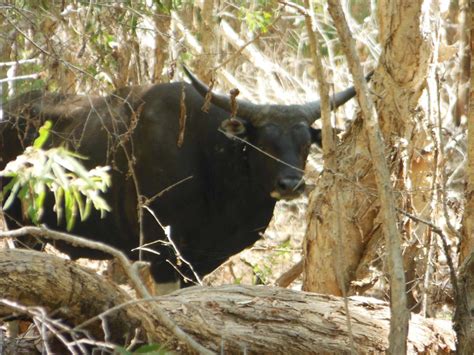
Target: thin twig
56, 327
399, 320
20, 61
439, 232
44, 51
138, 285
167, 232
148, 201
329, 148
20, 77
241, 49
260, 150
291, 275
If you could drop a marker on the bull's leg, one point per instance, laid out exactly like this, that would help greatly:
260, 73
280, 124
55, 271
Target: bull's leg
167, 287
164, 286
165, 277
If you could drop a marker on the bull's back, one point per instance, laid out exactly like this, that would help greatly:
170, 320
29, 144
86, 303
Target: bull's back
92, 126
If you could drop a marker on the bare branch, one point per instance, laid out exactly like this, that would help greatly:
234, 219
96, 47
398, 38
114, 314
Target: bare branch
398, 305
329, 147
42, 232
289, 276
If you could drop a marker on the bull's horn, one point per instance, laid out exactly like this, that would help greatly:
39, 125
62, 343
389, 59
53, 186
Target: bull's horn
255, 113
245, 109
314, 108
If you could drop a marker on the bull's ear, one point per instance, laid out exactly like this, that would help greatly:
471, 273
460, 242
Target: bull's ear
316, 136
234, 127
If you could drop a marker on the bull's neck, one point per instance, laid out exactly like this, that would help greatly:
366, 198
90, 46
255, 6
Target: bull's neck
230, 175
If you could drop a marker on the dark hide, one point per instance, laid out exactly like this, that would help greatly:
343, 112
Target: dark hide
225, 190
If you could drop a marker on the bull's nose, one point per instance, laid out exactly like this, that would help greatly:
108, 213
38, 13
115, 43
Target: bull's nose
288, 188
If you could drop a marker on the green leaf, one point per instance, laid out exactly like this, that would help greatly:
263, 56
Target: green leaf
155, 349
87, 209
60, 175
68, 153
39, 198
76, 190
69, 208
13, 186
100, 204
72, 220
58, 198
123, 351
79, 202
72, 165
43, 134
24, 192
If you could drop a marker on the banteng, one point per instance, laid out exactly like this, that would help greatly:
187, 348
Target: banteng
216, 189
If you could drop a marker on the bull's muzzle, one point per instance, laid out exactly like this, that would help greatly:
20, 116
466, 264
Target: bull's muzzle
288, 188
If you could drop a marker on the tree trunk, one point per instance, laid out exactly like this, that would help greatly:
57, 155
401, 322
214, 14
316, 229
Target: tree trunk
162, 20
397, 84
464, 315
75, 294
208, 39
230, 319
463, 74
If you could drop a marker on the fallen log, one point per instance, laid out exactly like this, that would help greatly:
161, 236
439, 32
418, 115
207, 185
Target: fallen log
231, 318
65, 290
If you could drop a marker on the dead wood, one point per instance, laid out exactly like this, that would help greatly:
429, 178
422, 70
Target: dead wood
65, 290
230, 318
159, 315
291, 275
10, 346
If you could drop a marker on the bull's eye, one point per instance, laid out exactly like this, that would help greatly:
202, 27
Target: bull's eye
271, 132
301, 135
233, 127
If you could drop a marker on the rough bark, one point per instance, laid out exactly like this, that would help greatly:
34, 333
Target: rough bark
231, 318
131, 271
462, 76
467, 242
291, 275
206, 30
464, 314
75, 294
397, 84
329, 147
162, 20
372, 123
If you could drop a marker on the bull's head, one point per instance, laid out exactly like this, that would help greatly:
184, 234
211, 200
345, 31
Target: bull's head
279, 137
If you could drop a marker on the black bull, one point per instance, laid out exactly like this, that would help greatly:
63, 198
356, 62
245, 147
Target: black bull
216, 192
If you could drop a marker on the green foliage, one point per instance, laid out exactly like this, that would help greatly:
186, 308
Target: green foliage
149, 349
28, 85
75, 189
43, 135
263, 272
163, 7
283, 249
257, 20
264, 269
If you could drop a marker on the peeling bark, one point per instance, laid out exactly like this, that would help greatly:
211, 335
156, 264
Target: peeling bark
162, 19
233, 318
374, 160
73, 293
464, 315
208, 41
398, 84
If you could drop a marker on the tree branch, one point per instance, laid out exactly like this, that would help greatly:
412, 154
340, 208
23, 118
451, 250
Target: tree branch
127, 266
226, 319
400, 314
